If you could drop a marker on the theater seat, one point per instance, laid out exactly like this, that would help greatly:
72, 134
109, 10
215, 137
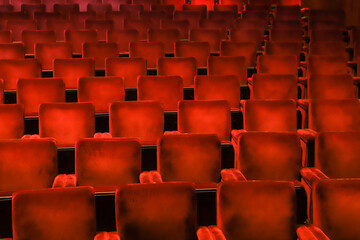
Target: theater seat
45, 53
18, 26
117, 17
99, 52
182, 26
140, 25
150, 51
12, 51
11, 121
212, 36
76, 38
122, 38
101, 27
37, 214
278, 64
199, 50
66, 122
140, 119
244, 49
228, 65
30, 37
319, 64
166, 36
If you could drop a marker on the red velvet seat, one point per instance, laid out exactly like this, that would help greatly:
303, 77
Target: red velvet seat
30, 9
162, 211
101, 91
42, 17
122, 38
99, 52
150, 51
79, 18
17, 3
11, 121
101, 27
205, 117
234, 8
319, 64
27, 164
228, 65
226, 15
283, 48
5, 36
18, 26
37, 214
32, 37
199, 50
328, 48
70, 70
82, 5
118, 19
278, 64
100, 9
146, 3
66, 122
103, 162
45, 53
241, 34
185, 67
127, 68
334, 35
31, 92
141, 119
168, 90
212, 36
166, 36
142, 26
239, 3
193, 17
12, 51
217, 24
153, 17
279, 35
59, 26
288, 26
177, 4
209, 3
1, 91
244, 49
76, 38
168, 10
199, 8
218, 87
133, 10
334, 16
13, 69
273, 86
182, 26
116, 3
66, 9
6, 8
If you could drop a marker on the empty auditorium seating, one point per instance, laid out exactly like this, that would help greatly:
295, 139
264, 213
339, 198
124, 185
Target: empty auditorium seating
32, 37
99, 52
238, 3
45, 53
199, 50
27, 164
319, 64
101, 26
118, 19
12, 51
177, 4
59, 26
127, 68
146, 3
70, 70
153, 17
106, 162
30, 9
18, 26
150, 51
142, 26
37, 213
101, 91
331, 48
212, 36
168, 90
334, 35
244, 49
247, 35
116, 3
66, 9
166, 36
140, 119
209, 3
278, 64
133, 10
182, 26
76, 38
100, 9
79, 18
122, 38
193, 17
205, 117
218, 87
66, 122
228, 65
185, 67
5, 36
279, 35
31, 92
167, 9
82, 4
283, 48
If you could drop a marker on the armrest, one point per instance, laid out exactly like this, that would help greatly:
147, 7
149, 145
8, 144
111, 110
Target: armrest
171, 132
303, 104
150, 177
250, 81
107, 236
28, 136
64, 180
102, 135
302, 80
232, 175
310, 233
306, 135
312, 175
210, 233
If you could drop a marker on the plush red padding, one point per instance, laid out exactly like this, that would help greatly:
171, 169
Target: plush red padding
310, 233
33, 136
1, 90
64, 180
140, 25
62, 213
210, 233
150, 51
107, 236
17, 26
150, 177
218, 87
278, 64
167, 9
274, 115
122, 37
167, 36
47, 52
101, 91
59, 26
13, 69
189, 157
319, 64
76, 38
107, 161
65, 9
99, 52
66, 122
133, 10
182, 25
193, 17
336, 208
256, 210
330, 86
231, 175
328, 48
31, 92
199, 50
205, 117
238, 3
27, 164
212, 36
100, 9
11, 121
30, 9
168, 90
218, 20
334, 115
274, 86
31, 37
283, 48
185, 67
156, 211
11, 51
5, 36
102, 135
140, 119
244, 49
101, 27
312, 176
70, 70
228, 65
178, 4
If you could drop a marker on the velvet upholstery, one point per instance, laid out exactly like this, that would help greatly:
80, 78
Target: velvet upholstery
11, 121
167, 36
150, 51
122, 37
283, 48
101, 91
328, 48
284, 35
12, 51
47, 52
132, 9
256, 210
212, 36
140, 119
59, 26
182, 26
65, 9
278, 64
319, 64
76, 38
17, 26
99, 52
228, 65
139, 25
100, 9
62, 213
189, 157
107, 161
156, 211
243, 33
205, 117
70, 70
193, 17
185, 67
101, 26
31, 92
199, 50
244, 49
66, 122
